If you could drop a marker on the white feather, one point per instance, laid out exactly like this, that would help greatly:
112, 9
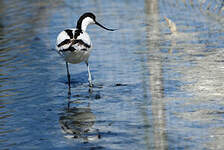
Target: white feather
86, 22
85, 38
79, 54
61, 37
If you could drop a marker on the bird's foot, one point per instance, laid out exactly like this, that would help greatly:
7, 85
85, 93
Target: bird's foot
90, 84
90, 87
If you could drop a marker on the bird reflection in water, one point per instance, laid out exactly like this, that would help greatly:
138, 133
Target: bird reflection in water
78, 123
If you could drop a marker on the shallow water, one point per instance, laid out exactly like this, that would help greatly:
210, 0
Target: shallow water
153, 89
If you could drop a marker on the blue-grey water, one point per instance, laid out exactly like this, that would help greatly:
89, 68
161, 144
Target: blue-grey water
154, 89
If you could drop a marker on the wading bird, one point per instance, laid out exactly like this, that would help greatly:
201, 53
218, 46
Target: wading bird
74, 44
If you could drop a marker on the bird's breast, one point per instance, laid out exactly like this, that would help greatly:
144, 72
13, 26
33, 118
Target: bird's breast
76, 56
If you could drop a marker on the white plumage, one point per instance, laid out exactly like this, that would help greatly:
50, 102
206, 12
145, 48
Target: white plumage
74, 53
74, 44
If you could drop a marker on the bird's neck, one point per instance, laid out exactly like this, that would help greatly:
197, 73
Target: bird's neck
83, 23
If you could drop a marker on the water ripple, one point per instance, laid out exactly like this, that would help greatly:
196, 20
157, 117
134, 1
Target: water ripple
148, 82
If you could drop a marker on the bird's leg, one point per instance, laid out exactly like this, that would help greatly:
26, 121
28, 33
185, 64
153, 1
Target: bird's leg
68, 75
69, 98
89, 74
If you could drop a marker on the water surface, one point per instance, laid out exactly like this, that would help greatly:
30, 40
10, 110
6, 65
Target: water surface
153, 89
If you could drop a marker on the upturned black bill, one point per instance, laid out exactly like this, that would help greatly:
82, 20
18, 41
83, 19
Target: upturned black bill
104, 27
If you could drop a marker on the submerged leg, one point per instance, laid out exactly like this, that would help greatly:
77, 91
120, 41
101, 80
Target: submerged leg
69, 98
89, 74
68, 75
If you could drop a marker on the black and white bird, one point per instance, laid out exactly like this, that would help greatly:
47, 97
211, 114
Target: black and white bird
74, 44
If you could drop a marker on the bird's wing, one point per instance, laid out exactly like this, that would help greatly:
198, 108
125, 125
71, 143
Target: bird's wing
80, 45
67, 41
64, 40
82, 41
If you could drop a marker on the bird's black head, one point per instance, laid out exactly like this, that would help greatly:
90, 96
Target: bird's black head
86, 19
88, 15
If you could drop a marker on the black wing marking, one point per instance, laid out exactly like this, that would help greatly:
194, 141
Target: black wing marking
81, 43
77, 33
69, 32
67, 41
71, 49
74, 42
